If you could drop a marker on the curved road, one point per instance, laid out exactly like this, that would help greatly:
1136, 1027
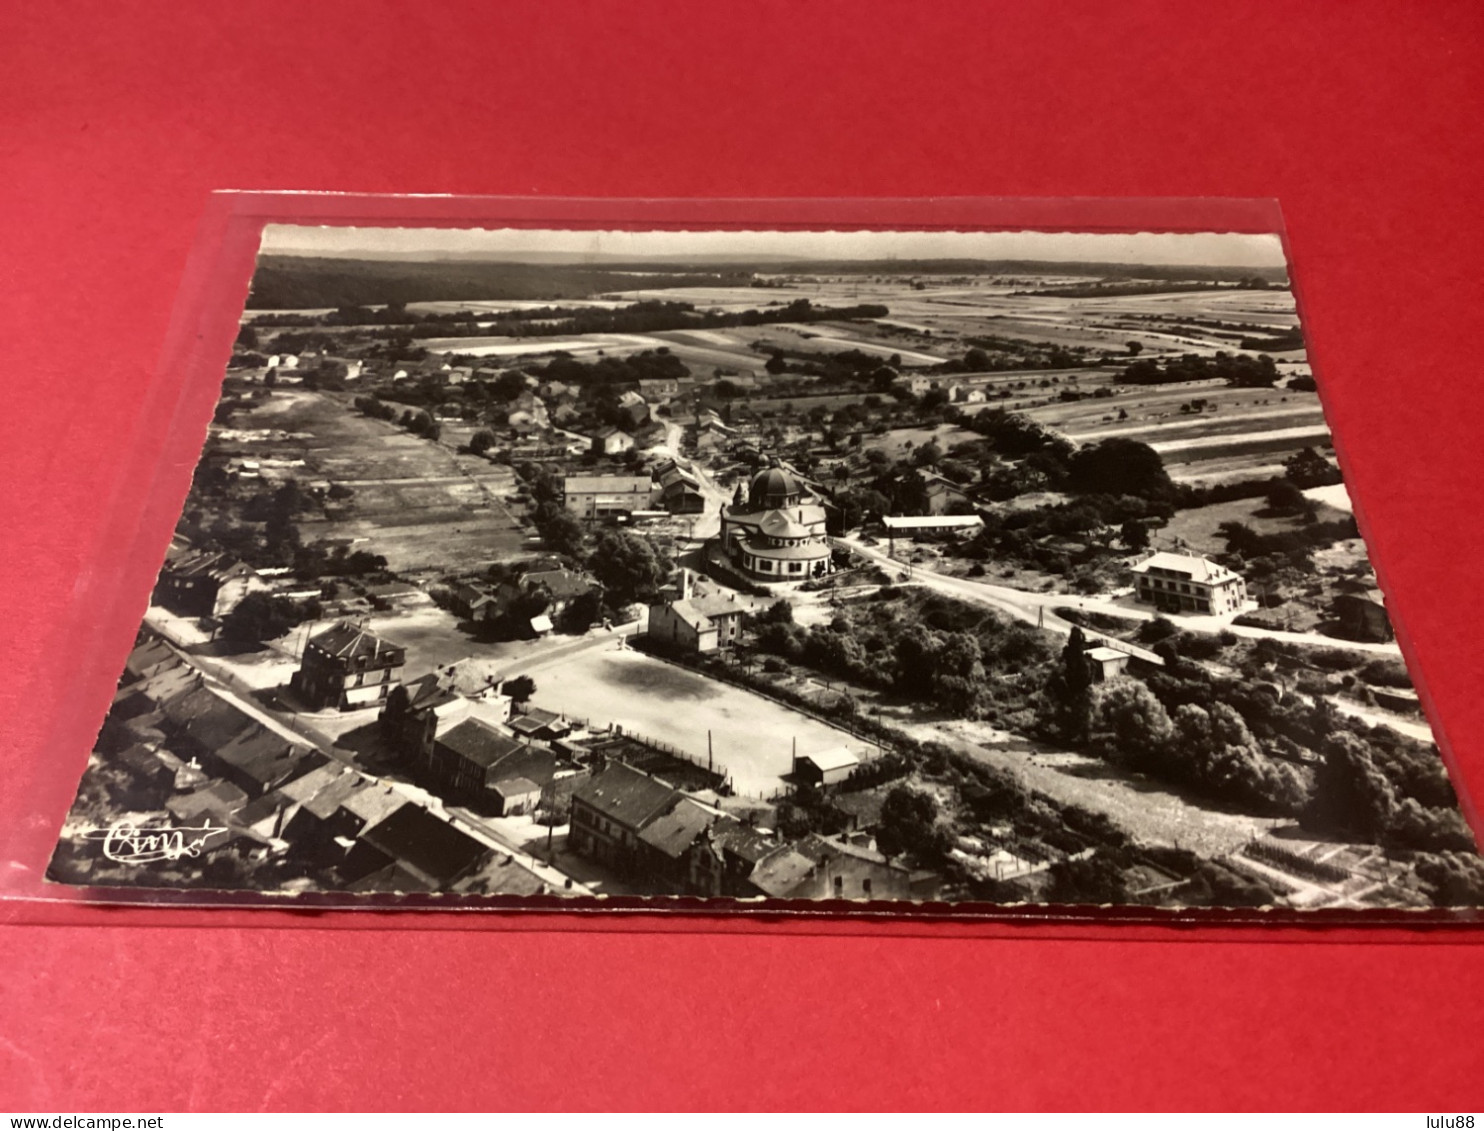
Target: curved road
1039, 608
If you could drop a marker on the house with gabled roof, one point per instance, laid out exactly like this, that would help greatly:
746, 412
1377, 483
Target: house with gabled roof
205, 583
428, 852
259, 759
697, 624
476, 762
347, 667
612, 808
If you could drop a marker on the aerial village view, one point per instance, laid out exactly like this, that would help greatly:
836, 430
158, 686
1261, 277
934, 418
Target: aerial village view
949, 568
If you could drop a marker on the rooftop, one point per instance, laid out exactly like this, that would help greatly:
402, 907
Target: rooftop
264, 756
560, 583
1189, 565
625, 794
931, 522
837, 758
674, 832
607, 484
207, 563
478, 742
350, 641
430, 847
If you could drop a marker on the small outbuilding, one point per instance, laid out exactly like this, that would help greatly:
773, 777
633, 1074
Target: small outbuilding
826, 767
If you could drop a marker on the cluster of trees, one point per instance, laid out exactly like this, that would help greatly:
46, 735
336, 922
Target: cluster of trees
839, 369
260, 617
993, 354
1393, 797
614, 372
926, 648
1207, 747
260, 529
1278, 343
1362, 780
417, 421
1239, 370
1307, 468
644, 317
1242, 539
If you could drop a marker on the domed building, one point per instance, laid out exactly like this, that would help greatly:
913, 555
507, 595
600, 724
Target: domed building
778, 532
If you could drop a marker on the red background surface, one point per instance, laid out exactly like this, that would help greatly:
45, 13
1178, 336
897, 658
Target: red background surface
117, 119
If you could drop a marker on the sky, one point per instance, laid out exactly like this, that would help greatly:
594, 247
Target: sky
1211, 249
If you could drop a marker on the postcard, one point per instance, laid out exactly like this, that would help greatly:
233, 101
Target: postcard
869, 570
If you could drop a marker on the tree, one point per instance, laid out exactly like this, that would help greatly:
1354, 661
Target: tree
247, 337
520, 689
396, 709
1307, 468
1134, 348
508, 385
260, 617
934, 399
482, 441
628, 566
908, 824
1351, 794
1120, 466
928, 454
1129, 725
1285, 497
1135, 535
564, 534
581, 612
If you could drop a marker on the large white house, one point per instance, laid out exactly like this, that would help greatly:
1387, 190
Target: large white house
1183, 583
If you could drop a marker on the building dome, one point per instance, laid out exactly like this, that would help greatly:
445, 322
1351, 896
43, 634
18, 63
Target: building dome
772, 489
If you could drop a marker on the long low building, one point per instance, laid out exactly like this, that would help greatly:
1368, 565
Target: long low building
595, 497
913, 523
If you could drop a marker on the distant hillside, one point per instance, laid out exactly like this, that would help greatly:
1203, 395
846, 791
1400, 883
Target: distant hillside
1200, 274
288, 282
299, 283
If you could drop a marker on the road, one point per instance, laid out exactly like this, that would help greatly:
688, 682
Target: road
1039, 608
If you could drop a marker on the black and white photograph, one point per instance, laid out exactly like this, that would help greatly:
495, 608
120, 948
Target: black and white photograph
889, 569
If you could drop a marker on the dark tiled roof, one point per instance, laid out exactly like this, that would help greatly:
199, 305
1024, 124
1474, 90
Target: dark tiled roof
560, 583
626, 795
741, 840
206, 718
426, 692
150, 654
264, 756
478, 742
349, 641
674, 832
206, 563
220, 799
430, 847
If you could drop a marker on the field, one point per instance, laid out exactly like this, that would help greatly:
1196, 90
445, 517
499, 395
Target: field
751, 736
1196, 528
420, 504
